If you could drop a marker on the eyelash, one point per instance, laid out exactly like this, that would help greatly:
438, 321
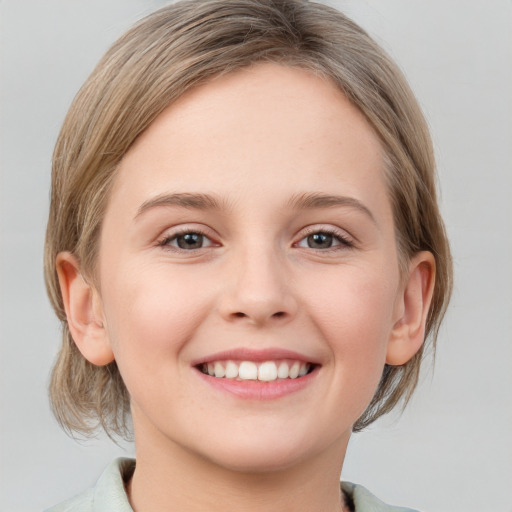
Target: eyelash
344, 242
165, 241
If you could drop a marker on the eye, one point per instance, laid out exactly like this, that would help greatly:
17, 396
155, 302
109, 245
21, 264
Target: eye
324, 240
188, 241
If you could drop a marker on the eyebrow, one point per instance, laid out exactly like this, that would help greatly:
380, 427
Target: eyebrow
188, 200
310, 200
303, 201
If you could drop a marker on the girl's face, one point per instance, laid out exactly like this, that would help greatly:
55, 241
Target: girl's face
249, 230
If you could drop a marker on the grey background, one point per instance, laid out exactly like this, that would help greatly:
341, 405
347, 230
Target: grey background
452, 448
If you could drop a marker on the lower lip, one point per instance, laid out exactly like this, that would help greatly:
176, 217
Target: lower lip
258, 390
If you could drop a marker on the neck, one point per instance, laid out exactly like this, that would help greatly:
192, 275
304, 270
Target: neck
175, 478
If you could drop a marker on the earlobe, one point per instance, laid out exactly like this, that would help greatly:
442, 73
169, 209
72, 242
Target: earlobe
408, 331
83, 311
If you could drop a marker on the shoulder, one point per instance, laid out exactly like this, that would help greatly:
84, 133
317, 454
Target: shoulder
107, 495
81, 503
364, 501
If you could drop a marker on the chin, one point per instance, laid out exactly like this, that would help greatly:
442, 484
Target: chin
257, 462
261, 453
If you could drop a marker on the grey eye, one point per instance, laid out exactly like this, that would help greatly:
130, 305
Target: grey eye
190, 241
320, 241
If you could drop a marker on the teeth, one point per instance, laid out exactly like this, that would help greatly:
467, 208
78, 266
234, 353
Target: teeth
267, 371
294, 370
248, 371
303, 370
283, 370
231, 370
219, 370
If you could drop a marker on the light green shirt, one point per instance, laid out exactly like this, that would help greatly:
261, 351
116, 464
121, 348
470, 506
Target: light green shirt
109, 494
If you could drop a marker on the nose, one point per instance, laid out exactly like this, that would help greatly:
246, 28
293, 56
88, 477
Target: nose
258, 289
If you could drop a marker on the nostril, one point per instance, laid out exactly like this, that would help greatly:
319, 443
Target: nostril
278, 314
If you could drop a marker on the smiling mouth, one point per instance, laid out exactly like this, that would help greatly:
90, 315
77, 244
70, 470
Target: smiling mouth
265, 371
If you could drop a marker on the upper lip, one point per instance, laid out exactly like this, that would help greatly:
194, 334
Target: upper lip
256, 355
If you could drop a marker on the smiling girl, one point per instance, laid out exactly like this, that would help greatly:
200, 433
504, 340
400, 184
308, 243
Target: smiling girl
245, 250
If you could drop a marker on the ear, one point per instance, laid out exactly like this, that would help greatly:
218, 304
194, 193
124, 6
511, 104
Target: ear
84, 311
412, 309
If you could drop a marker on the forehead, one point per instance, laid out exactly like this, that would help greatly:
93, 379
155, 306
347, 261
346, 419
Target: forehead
265, 126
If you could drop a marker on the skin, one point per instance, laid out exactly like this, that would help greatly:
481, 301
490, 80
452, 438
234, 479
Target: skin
256, 140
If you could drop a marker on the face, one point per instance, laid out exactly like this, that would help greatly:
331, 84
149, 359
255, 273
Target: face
248, 271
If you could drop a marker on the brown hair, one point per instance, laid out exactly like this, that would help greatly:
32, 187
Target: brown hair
154, 63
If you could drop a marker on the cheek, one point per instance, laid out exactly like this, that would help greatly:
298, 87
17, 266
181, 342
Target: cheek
151, 312
354, 312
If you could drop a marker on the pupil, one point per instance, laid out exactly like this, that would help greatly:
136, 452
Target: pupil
320, 241
190, 241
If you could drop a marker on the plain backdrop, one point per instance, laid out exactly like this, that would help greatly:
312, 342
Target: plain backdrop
451, 451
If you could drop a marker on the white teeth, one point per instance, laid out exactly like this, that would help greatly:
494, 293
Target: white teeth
267, 371
283, 370
219, 370
231, 370
294, 370
248, 370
